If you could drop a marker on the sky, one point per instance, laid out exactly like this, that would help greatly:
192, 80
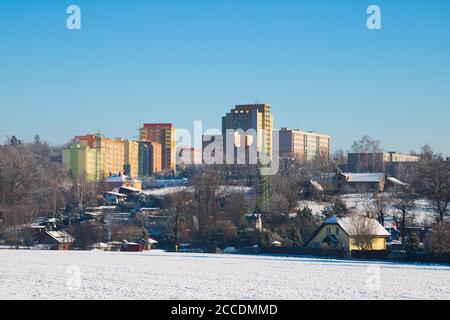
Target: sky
314, 61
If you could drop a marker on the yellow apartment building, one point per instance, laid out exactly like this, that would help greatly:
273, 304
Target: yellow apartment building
84, 162
112, 157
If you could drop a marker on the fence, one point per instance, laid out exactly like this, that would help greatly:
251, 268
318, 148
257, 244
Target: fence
316, 252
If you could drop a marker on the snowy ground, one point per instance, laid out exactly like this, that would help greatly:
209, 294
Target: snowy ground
159, 275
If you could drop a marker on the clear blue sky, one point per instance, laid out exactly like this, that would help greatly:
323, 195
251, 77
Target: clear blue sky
314, 61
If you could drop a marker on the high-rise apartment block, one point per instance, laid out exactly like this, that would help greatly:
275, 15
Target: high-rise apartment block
303, 145
131, 166
150, 158
254, 117
164, 134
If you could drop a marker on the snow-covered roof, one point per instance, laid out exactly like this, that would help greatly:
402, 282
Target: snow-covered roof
350, 224
120, 179
364, 177
398, 182
100, 245
164, 192
93, 214
227, 190
115, 179
316, 185
117, 194
132, 189
61, 236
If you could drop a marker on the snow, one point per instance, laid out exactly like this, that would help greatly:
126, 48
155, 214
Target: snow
315, 206
117, 179
164, 191
396, 181
364, 177
159, 275
223, 190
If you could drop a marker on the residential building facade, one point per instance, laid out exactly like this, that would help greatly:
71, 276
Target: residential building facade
256, 117
164, 134
345, 233
150, 158
131, 166
392, 163
303, 145
95, 157
84, 162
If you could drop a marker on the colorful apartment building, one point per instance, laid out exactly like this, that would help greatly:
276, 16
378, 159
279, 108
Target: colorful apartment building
150, 158
112, 157
164, 134
131, 166
113, 152
303, 145
255, 117
84, 162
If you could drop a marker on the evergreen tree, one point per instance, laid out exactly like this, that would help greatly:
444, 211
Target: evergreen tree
13, 141
337, 207
144, 237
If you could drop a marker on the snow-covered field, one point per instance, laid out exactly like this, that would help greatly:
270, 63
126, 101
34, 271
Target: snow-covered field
159, 275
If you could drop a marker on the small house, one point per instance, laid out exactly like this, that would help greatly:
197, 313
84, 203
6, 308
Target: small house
100, 246
57, 240
353, 182
352, 232
364, 182
132, 247
113, 182
115, 197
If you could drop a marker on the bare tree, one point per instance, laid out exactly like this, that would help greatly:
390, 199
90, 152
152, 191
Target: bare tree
363, 231
179, 206
367, 148
206, 186
339, 158
237, 205
288, 182
434, 183
404, 202
380, 205
438, 241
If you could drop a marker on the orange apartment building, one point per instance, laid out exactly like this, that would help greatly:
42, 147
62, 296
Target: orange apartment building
119, 156
164, 134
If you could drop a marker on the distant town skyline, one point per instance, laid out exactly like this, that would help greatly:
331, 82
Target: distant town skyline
315, 63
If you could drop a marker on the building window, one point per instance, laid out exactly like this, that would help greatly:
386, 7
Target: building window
337, 231
328, 231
